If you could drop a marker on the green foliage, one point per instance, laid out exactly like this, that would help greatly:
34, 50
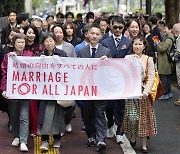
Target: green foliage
6, 5
53, 2
109, 8
36, 3
158, 6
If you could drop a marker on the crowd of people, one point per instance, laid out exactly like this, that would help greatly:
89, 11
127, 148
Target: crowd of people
147, 38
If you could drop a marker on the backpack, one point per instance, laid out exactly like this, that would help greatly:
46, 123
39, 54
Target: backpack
170, 54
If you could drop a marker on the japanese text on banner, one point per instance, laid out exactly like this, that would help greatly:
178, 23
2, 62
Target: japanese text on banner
58, 78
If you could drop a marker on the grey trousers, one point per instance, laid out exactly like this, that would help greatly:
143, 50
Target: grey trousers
94, 119
19, 114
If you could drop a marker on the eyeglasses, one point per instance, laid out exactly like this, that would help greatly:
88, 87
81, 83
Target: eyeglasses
116, 27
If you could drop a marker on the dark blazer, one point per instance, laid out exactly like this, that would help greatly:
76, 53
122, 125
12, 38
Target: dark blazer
156, 32
101, 51
94, 109
151, 48
105, 36
122, 51
58, 52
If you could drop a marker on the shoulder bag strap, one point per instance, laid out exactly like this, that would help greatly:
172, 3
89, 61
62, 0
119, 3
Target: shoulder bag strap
146, 71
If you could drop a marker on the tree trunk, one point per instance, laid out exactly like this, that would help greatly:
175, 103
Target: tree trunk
148, 7
172, 11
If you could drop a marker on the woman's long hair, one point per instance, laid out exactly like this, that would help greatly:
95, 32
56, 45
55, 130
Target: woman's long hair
72, 26
36, 32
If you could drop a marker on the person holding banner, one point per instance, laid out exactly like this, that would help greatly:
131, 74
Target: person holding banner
35, 48
139, 118
8, 47
120, 47
20, 132
94, 110
51, 115
58, 30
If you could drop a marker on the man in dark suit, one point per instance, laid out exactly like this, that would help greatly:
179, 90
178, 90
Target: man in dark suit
155, 34
94, 110
120, 47
12, 23
155, 30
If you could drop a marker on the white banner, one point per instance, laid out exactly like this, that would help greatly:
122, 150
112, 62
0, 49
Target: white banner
57, 78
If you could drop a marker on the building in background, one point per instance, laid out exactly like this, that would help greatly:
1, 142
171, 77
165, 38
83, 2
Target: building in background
66, 5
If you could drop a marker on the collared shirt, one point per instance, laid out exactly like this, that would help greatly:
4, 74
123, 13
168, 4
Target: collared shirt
12, 25
147, 35
110, 33
115, 39
153, 27
93, 47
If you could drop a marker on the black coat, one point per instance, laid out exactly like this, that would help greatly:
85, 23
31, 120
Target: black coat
59, 52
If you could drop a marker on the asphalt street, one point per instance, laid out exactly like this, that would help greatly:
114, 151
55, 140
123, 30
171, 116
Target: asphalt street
167, 140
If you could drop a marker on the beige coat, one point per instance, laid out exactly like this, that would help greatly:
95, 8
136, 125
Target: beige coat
146, 86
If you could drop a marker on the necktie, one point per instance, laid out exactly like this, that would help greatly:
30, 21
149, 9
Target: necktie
93, 52
118, 40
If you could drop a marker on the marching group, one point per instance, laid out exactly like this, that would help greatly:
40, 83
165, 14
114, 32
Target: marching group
147, 38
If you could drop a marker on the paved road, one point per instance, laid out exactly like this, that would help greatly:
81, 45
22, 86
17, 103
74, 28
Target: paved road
6, 138
72, 143
166, 142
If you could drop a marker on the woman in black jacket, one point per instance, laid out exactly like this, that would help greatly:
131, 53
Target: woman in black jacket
51, 115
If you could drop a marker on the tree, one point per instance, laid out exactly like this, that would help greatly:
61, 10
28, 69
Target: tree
172, 11
6, 5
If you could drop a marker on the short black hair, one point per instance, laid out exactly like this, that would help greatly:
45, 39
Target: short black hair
69, 14
98, 20
12, 11
162, 23
118, 19
49, 16
89, 15
159, 15
79, 15
22, 17
153, 19
130, 21
60, 15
